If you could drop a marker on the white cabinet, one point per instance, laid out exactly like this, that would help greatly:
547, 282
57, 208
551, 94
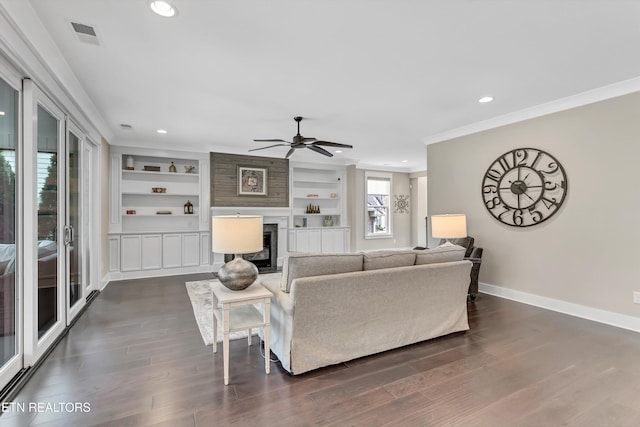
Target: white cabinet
152, 254
151, 251
333, 240
308, 241
130, 253
190, 249
171, 250
320, 240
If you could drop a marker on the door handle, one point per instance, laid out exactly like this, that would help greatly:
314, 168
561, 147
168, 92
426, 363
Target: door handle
68, 235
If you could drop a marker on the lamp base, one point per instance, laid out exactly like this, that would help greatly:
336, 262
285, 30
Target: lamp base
238, 274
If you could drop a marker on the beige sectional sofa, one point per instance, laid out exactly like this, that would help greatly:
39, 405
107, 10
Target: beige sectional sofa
329, 309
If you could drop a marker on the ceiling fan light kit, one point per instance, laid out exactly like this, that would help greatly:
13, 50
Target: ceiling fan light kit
300, 141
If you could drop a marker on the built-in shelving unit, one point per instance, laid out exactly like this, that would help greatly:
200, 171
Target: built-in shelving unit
151, 232
323, 188
140, 203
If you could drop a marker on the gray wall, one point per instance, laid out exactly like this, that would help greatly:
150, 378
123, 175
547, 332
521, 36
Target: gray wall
587, 253
356, 213
418, 204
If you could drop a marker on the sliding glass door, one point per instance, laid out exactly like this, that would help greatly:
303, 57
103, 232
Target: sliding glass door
10, 350
45, 201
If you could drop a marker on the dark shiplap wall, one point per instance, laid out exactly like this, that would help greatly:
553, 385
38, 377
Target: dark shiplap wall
224, 181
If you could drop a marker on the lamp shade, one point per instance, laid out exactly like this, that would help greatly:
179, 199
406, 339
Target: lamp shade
236, 234
450, 226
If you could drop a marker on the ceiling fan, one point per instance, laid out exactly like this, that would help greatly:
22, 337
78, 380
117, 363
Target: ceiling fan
300, 141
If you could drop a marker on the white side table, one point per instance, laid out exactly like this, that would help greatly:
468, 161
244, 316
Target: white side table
237, 313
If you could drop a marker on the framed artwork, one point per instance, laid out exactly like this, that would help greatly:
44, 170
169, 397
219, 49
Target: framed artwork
252, 181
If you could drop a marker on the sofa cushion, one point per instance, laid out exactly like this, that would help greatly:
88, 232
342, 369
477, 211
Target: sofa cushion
444, 253
388, 259
307, 265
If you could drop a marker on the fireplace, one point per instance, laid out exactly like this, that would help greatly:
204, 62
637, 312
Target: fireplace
267, 259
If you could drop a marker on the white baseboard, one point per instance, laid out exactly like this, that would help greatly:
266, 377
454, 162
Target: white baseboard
597, 315
144, 274
105, 281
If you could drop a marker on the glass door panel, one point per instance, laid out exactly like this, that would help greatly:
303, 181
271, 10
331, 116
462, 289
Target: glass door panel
74, 231
44, 212
47, 193
9, 119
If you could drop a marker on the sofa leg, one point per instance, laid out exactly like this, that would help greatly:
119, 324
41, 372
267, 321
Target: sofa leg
472, 297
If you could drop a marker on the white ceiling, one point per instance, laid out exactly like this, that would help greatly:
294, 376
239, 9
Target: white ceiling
381, 75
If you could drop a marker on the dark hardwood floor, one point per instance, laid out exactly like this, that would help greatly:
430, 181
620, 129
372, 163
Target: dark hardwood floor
137, 357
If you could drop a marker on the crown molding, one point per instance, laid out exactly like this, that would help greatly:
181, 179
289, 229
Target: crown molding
589, 97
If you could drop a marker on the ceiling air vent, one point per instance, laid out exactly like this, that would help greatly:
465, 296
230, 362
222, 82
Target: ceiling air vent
85, 33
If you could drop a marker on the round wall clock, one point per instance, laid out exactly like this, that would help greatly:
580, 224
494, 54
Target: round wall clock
524, 187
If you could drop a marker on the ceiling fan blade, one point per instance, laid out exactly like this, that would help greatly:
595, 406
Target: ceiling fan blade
331, 144
271, 140
275, 145
291, 151
319, 150
306, 139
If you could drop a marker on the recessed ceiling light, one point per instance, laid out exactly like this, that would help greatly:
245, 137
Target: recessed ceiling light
163, 8
338, 151
405, 161
1, 113
485, 99
162, 131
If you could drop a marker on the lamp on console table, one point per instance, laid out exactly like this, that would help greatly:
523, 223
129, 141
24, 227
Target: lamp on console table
449, 226
237, 234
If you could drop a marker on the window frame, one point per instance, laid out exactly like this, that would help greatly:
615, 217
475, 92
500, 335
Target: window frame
378, 176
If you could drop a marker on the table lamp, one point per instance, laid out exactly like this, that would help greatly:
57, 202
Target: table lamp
449, 226
237, 235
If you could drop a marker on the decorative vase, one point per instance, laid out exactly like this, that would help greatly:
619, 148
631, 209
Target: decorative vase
328, 221
172, 168
238, 274
130, 163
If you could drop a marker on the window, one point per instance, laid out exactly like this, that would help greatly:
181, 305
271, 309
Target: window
378, 212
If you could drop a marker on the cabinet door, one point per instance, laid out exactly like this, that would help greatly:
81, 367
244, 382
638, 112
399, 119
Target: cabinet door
205, 248
130, 253
292, 241
315, 241
114, 253
172, 250
302, 241
190, 249
151, 251
333, 240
